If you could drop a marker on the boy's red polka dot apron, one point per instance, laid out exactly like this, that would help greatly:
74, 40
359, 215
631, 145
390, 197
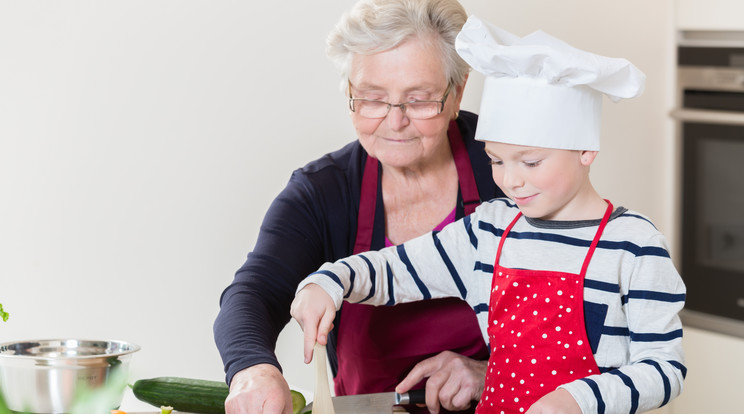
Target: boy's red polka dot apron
537, 333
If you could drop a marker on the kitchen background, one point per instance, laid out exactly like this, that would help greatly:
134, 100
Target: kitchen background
142, 141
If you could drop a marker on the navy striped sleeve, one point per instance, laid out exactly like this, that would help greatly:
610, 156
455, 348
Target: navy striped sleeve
330, 275
598, 395
450, 266
634, 394
420, 284
664, 378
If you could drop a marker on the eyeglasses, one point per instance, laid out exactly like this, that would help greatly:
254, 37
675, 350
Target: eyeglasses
375, 109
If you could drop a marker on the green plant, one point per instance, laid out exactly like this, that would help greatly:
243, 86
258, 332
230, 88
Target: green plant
3, 314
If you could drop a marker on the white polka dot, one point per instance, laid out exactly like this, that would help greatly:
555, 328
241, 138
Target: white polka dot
519, 334
534, 296
522, 320
516, 399
501, 273
493, 389
534, 361
506, 360
515, 284
568, 309
560, 292
514, 317
566, 346
557, 328
534, 313
570, 372
580, 342
548, 358
554, 372
521, 410
514, 374
547, 300
544, 336
570, 332
521, 381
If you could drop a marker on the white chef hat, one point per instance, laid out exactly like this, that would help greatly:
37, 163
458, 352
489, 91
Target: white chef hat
540, 91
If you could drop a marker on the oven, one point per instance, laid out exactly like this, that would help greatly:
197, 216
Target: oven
710, 122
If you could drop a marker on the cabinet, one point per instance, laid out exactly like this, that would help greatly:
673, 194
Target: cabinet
709, 14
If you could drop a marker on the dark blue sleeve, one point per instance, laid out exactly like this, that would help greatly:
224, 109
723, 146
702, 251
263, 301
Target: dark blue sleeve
309, 223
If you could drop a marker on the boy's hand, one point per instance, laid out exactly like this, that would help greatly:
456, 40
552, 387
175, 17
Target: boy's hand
559, 401
314, 310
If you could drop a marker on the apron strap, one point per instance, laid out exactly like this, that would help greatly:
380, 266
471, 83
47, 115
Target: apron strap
367, 204
503, 237
602, 225
368, 198
469, 190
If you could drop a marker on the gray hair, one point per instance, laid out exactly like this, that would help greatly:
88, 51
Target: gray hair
374, 26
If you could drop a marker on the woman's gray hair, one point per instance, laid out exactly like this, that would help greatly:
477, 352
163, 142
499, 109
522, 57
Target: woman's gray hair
374, 26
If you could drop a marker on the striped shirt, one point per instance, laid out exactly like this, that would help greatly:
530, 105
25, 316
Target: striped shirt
632, 292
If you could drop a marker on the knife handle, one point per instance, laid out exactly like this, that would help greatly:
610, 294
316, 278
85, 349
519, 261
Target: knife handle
411, 397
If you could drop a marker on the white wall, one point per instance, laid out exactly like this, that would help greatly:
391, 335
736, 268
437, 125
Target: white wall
142, 141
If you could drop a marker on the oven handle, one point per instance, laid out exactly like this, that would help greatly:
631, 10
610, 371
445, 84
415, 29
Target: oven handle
708, 117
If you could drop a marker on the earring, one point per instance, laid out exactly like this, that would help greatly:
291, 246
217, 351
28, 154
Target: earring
457, 113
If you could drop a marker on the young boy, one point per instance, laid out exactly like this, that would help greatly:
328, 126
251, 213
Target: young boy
577, 299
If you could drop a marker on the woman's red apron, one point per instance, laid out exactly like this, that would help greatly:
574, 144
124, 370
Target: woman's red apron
378, 346
537, 333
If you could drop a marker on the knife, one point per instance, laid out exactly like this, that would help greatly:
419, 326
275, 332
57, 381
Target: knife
382, 402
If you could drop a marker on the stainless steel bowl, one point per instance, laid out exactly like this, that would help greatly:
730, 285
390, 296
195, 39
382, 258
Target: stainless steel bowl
44, 376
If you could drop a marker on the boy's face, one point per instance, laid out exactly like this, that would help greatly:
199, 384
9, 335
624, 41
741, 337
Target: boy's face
545, 183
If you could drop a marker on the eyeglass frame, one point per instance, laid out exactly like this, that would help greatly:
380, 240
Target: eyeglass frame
401, 105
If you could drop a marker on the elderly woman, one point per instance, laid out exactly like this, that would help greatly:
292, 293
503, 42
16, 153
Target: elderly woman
415, 167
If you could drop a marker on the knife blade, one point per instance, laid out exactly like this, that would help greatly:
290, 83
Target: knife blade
382, 402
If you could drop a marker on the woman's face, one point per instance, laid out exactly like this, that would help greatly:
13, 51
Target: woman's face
411, 71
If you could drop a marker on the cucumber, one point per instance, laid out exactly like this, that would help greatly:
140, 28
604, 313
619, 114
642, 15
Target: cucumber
183, 394
192, 395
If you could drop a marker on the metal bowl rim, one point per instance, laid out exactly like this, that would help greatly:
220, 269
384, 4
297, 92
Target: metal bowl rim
134, 348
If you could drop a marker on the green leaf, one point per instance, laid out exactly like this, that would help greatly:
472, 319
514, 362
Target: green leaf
3, 314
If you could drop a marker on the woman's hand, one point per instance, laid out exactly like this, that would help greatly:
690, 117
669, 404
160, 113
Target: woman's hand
559, 401
260, 389
455, 381
314, 310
